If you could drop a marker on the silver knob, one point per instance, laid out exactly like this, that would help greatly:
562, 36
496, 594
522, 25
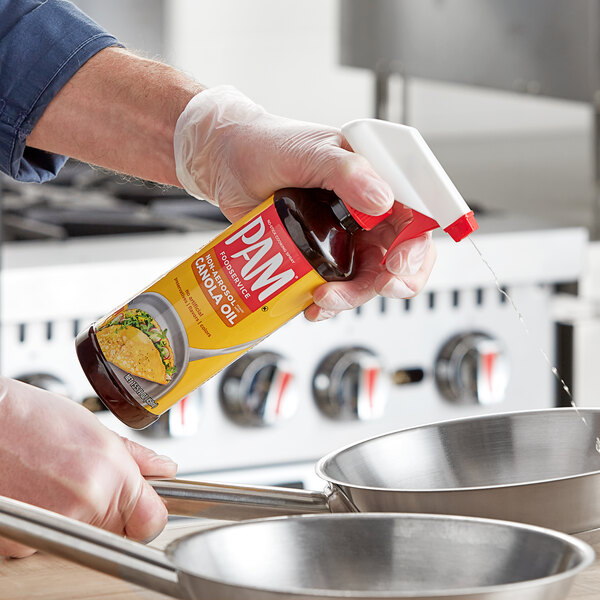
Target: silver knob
350, 384
258, 389
472, 368
181, 420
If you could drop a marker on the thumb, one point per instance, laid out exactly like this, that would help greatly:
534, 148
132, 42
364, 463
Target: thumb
353, 180
149, 516
150, 463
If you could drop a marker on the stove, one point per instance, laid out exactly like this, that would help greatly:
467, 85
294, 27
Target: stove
78, 248
87, 202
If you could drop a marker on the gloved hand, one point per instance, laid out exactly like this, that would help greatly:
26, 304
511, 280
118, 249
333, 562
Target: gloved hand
234, 154
56, 454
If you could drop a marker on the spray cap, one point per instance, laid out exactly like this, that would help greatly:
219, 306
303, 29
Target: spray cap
400, 156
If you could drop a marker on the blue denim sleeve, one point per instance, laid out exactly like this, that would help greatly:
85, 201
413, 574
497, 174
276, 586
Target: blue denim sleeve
42, 44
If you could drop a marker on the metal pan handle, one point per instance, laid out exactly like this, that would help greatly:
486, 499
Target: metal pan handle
88, 546
238, 502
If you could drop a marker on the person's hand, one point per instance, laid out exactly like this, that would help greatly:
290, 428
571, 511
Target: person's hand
233, 153
57, 455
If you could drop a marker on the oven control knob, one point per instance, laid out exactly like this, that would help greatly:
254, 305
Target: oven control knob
472, 368
45, 381
181, 420
258, 389
350, 384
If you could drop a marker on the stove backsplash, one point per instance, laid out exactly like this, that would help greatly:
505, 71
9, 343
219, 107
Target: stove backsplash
455, 350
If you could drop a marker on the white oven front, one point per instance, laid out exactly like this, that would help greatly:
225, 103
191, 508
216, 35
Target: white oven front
457, 349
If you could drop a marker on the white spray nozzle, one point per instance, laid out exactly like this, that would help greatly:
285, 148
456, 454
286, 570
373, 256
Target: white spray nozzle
400, 156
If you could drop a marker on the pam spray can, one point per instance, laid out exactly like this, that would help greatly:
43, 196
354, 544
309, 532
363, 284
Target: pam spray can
258, 274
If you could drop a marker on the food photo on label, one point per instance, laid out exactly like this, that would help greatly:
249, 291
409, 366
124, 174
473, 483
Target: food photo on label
132, 341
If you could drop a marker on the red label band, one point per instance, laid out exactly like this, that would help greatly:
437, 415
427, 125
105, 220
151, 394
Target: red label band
249, 267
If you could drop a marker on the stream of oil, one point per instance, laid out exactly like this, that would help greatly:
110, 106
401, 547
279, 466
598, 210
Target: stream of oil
554, 370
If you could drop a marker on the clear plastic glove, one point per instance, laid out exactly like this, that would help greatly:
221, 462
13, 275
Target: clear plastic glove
234, 154
56, 454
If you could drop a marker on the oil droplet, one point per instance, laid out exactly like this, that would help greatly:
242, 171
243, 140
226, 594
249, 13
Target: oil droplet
554, 370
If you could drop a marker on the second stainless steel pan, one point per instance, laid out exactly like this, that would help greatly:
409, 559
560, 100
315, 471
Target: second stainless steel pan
539, 467
341, 557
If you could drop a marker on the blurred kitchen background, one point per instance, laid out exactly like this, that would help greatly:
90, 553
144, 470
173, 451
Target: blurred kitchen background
506, 92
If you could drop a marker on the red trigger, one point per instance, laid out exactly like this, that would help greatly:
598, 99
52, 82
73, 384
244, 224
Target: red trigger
419, 225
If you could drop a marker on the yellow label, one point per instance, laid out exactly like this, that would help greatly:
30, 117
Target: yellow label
208, 310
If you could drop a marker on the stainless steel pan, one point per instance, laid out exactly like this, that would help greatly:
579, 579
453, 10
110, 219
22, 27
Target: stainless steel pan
362, 557
539, 467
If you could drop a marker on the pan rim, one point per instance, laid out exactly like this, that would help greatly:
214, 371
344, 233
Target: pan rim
585, 551
320, 467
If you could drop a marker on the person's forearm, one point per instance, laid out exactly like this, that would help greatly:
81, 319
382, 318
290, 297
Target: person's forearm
118, 111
